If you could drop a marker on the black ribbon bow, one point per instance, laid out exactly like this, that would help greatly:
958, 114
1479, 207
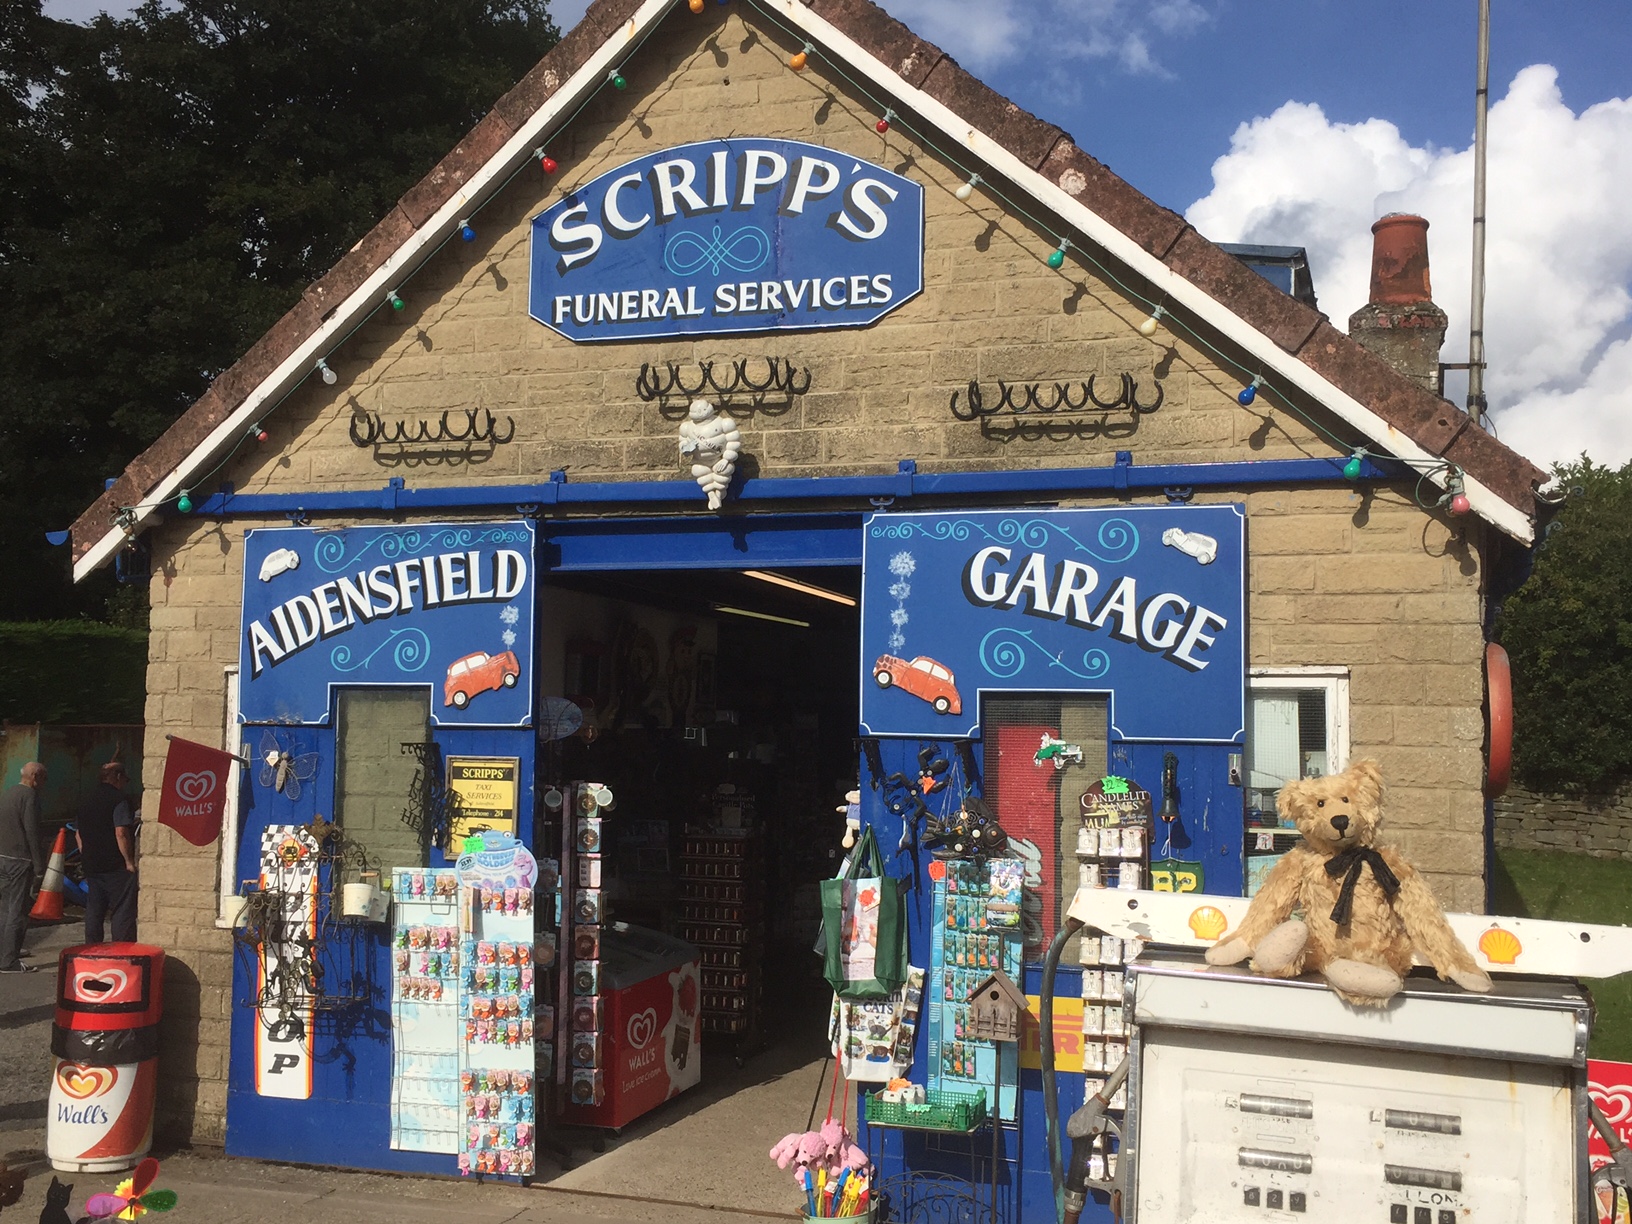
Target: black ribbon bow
1351, 861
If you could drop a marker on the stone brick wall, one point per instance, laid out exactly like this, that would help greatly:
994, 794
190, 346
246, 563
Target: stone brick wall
1599, 827
1365, 579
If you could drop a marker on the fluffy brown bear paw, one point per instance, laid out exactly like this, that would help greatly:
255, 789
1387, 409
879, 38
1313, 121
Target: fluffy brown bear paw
1229, 952
1281, 947
1362, 983
1476, 980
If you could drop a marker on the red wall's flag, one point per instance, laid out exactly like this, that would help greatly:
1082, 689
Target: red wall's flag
195, 790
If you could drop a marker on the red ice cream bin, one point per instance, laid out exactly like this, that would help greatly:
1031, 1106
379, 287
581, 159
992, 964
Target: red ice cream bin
642, 1040
105, 1036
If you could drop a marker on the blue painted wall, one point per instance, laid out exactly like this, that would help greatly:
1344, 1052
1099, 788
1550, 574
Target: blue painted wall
347, 1121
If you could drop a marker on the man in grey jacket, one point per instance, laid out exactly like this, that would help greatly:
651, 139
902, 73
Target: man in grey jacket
22, 863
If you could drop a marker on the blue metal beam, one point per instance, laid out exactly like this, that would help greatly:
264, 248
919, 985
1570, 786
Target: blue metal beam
906, 482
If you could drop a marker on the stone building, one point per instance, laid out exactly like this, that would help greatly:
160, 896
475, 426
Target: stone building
1379, 519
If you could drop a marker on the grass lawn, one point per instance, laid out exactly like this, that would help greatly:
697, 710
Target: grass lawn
1575, 888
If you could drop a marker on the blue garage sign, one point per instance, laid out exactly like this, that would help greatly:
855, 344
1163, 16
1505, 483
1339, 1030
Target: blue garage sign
1144, 603
448, 606
730, 235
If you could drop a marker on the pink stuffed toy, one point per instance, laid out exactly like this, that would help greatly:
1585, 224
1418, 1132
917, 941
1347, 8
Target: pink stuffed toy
830, 1149
785, 1152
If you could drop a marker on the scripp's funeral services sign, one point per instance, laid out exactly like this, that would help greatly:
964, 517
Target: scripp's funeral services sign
730, 235
1144, 603
445, 606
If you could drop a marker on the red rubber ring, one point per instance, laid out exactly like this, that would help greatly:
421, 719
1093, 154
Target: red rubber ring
1498, 721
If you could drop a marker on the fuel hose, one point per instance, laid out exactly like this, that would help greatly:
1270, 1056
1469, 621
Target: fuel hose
1051, 1089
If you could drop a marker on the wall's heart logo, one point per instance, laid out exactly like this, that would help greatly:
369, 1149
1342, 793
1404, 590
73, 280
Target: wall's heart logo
82, 1083
192, 787
641, 1027
100, 985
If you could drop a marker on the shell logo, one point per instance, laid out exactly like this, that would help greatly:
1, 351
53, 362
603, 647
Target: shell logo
1501, 947
1208, 922
82, 1083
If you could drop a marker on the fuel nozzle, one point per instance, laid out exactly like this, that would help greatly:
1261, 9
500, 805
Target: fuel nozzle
1088, 1124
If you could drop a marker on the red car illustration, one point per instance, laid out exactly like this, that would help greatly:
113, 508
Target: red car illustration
923, 677
479, 673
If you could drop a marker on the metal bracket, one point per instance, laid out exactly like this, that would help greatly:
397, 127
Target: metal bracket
1179, 493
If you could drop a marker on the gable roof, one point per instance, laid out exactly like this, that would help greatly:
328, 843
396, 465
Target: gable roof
1291, 342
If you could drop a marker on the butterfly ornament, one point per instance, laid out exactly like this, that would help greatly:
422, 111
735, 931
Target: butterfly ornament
283, 770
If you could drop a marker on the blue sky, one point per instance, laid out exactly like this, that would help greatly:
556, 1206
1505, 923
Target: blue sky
1301, 121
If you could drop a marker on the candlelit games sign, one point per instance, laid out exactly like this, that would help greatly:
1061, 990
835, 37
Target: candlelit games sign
730, 235
445, 606
1144, 603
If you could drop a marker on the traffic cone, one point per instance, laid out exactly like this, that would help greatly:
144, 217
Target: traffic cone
48, 905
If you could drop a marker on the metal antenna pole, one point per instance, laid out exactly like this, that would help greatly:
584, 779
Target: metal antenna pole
1476, 315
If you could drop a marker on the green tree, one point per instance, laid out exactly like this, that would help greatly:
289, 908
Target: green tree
1568, 631
169, 183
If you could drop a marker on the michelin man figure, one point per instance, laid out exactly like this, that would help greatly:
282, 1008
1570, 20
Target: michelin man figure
712, 441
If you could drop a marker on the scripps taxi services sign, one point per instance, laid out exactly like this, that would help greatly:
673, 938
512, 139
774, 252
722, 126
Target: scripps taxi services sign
730, 235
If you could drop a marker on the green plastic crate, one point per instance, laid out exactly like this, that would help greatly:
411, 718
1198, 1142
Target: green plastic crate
943, 1111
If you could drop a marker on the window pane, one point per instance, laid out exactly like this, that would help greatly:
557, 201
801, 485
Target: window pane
374, 777
1273, 741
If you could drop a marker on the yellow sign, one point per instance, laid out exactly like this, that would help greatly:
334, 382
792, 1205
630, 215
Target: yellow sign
1067, 1035
484, 795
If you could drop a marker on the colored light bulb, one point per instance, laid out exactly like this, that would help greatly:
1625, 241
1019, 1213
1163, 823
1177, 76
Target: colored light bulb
396, 301
549, 164
697, 6
798, 60
467, 231
184, 503
1353, 468
1460, 504
329, 376
1056, 259
883, 125
261, 435
1249, 393
619, 81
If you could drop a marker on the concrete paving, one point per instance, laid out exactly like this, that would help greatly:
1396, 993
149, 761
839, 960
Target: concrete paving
27, 1001
700, 1159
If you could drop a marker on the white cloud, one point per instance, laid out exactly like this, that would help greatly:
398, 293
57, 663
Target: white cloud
1558, 307
985, 35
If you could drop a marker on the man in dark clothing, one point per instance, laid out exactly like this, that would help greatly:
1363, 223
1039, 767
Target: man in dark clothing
107, 852
22, 863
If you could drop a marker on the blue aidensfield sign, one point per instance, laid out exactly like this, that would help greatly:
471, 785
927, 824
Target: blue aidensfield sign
729, 235
445, 606
1144, 603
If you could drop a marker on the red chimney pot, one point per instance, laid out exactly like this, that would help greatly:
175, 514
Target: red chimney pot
1399, 261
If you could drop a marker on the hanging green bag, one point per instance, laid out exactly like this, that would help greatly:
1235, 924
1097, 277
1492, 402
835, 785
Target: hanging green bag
864, 915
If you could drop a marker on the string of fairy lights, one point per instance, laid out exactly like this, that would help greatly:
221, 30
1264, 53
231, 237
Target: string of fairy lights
1454, 498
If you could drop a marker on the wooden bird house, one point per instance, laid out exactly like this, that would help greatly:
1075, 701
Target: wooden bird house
995, 1007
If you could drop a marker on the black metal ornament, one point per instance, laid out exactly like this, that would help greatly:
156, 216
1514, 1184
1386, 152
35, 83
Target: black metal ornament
1073, 398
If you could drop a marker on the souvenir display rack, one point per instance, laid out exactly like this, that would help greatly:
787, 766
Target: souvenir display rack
722, 912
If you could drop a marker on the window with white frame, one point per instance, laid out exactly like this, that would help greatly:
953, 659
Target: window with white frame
1297, 727
232, 738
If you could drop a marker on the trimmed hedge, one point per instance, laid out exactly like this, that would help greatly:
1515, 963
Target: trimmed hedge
72, 672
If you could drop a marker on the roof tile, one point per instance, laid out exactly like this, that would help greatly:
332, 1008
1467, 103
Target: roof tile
886, 39
1223, 277
983, 108
468, 156
1091, 182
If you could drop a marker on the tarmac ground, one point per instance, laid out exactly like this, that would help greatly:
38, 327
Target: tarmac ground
699, 1159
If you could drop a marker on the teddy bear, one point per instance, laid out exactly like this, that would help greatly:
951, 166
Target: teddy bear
1364, 910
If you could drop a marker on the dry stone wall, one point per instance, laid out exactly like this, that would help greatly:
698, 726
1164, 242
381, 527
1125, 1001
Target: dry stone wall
1600, 827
